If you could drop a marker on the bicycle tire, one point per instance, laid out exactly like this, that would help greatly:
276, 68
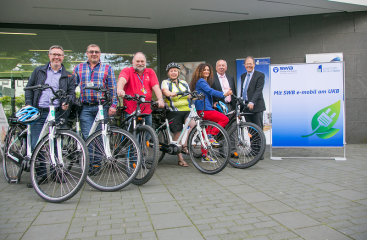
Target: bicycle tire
162, 138
60, 184
12, 170
114, 173
149, 145
220, 154
247, 155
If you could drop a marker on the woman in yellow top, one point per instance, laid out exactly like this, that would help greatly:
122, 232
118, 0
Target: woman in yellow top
179, 105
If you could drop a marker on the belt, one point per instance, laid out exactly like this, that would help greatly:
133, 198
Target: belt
90, 104
48, 109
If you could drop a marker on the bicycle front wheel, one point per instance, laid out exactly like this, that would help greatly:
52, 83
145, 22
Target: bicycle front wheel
149, 145
247, 145
60, 180
218, 151
116, 172
16, 145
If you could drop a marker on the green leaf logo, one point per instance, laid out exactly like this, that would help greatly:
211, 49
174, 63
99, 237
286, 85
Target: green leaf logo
324, 120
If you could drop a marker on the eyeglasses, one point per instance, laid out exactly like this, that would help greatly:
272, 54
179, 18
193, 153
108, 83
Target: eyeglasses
56, 55
94, 52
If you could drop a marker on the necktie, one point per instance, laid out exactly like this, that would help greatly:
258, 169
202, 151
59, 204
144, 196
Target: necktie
244, 94
225, 87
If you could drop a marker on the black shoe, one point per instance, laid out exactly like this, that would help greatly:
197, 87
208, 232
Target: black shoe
40, 180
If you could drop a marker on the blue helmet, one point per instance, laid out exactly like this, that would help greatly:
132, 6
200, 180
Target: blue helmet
222, 108
28, 115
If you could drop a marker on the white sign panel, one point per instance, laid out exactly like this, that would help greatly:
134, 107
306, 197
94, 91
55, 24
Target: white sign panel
307, 105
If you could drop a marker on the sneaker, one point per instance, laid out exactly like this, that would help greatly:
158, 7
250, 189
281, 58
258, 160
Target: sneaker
213, 141
206, 158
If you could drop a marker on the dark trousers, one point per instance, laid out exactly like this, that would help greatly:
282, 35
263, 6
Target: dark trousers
256, 118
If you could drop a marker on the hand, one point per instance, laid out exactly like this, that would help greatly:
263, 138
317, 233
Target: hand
250, 106
229, 92
160, 103
120, 93
174, 95
64, 107
215, 104
112, 111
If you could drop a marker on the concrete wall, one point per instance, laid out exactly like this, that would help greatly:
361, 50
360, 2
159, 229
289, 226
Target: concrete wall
285, 40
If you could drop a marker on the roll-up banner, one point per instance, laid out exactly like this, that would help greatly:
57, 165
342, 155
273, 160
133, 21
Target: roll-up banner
261, 65
307, 105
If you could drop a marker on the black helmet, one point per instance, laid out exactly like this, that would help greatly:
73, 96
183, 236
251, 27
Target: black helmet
172, 65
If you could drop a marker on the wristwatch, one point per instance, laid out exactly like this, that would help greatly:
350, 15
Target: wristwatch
160, 99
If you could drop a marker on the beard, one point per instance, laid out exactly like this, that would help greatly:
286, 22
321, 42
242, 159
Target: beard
139, 68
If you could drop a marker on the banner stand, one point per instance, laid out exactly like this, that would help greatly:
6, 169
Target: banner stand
326, 158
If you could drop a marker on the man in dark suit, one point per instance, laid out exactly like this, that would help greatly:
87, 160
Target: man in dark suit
223, 83
252, 84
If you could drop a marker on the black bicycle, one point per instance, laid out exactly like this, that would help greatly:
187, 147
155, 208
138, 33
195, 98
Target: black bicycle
147, 139
248, 141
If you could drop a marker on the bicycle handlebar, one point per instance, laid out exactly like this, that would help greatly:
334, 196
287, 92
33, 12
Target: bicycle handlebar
59, 94
99, 89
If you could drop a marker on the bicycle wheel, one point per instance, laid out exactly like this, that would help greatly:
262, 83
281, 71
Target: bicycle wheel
246, 150
60, 181
162, 138
149, 145
116, 172
17, 147
220, 153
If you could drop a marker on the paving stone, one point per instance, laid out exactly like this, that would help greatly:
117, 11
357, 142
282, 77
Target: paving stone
170, 220
359, 236
49, 232
293, 220
262, 231
163, 207
253, 197
271, 207
282, 235
328, 187
153, 189
320, 233
351, 194
54, 217
157, 197
182, 233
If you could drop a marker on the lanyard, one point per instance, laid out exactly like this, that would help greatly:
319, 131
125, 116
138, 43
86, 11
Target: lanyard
142, 81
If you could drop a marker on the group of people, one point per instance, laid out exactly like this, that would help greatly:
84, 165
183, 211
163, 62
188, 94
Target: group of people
139, 79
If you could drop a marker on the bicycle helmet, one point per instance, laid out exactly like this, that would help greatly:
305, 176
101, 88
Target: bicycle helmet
172, 65
222, 108
28, 115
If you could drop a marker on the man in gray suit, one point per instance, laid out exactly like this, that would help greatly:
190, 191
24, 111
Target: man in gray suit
223, 82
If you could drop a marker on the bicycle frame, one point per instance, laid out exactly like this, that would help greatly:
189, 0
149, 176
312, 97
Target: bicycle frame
51, 126
193, 115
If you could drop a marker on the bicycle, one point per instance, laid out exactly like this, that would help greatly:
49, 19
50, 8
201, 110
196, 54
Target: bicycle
59, 160
147, 139
247, 139
198, 141
111, 150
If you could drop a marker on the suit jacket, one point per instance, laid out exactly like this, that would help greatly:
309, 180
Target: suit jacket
216, 86
255, 90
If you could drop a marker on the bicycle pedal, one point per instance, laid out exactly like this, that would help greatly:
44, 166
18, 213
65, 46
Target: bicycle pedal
14, 180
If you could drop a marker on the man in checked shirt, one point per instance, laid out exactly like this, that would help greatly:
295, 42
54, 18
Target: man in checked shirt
94, 73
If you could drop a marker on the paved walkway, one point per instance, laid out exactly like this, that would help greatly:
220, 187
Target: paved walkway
289, 199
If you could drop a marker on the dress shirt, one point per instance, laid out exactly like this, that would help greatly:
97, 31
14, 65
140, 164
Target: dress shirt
52, 80
224, 78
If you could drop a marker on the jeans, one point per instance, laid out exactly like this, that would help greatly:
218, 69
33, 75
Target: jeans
36, 129
87, 116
